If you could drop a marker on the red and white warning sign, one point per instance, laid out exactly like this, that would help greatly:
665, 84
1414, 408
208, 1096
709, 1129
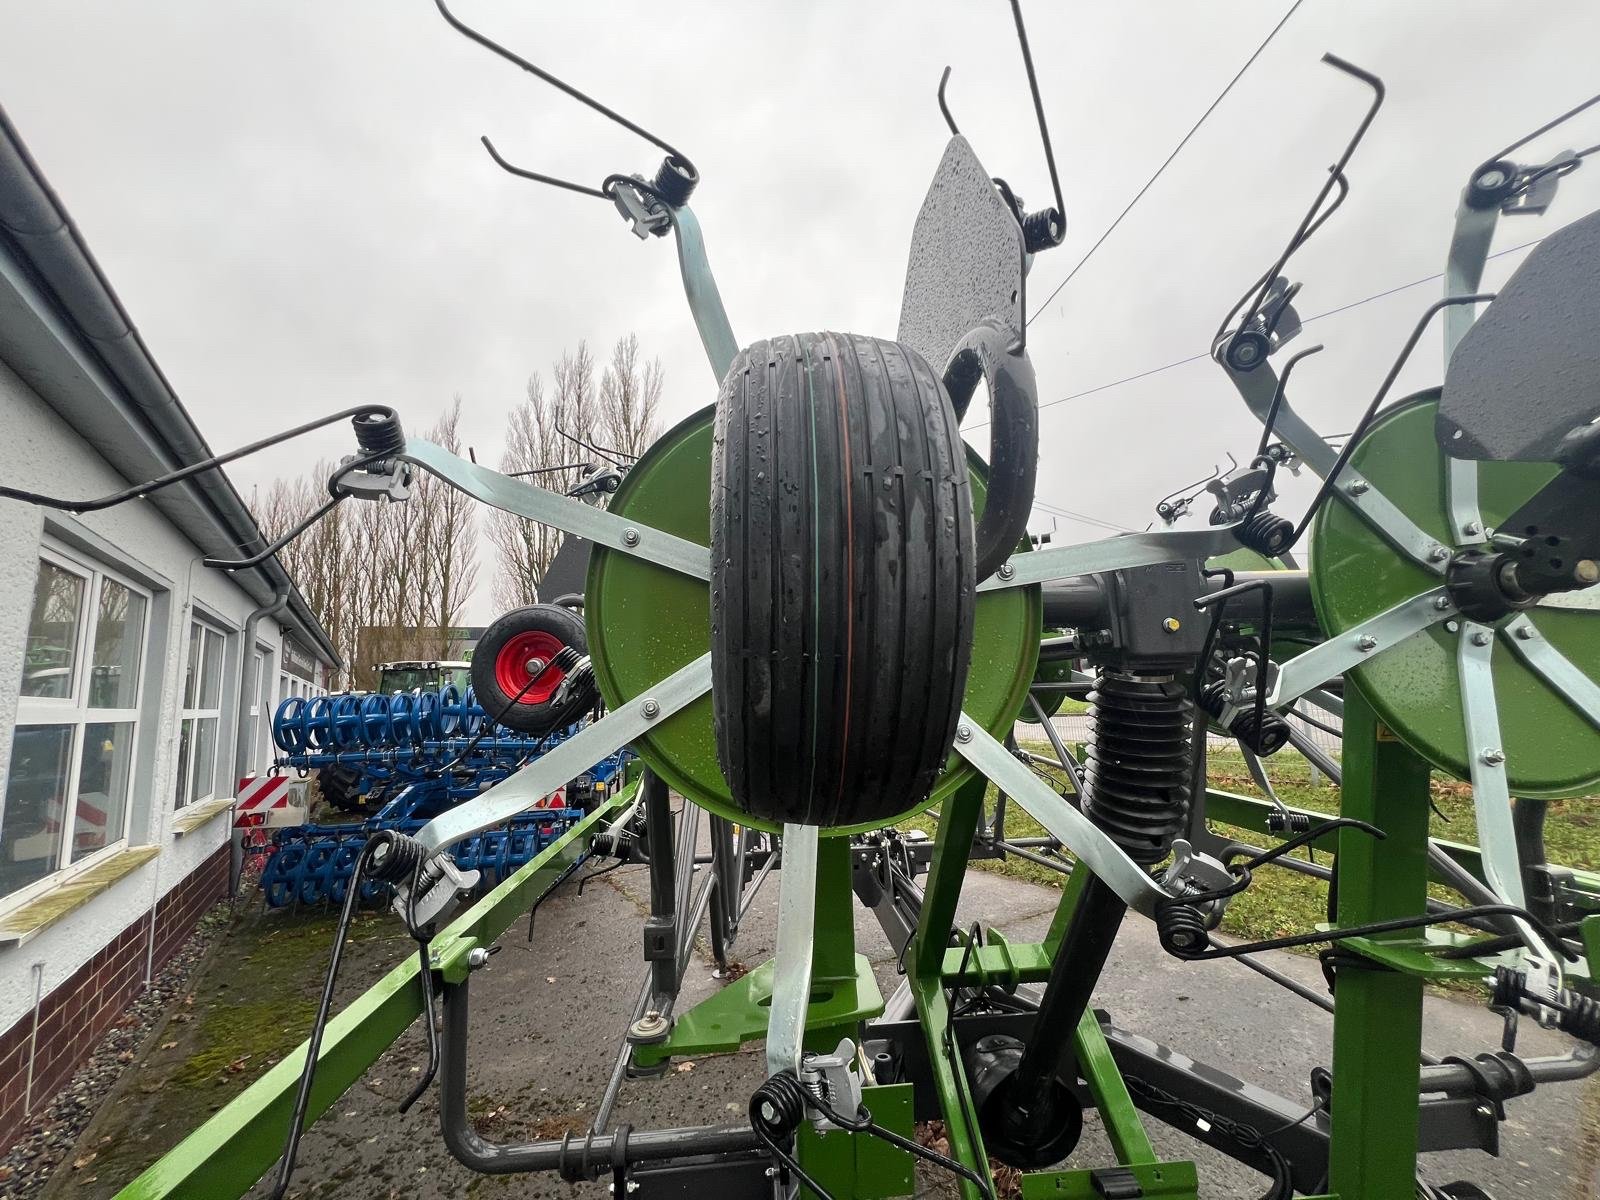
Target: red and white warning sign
269, 802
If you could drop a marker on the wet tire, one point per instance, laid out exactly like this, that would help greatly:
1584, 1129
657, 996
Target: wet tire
842, 582
500, 669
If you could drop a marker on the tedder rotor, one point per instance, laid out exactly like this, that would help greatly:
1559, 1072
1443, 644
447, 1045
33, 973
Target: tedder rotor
812, 612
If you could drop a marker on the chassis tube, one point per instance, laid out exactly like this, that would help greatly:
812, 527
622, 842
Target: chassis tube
589, 1157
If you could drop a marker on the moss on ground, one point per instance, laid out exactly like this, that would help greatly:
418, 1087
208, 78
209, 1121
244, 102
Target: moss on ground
253, 1005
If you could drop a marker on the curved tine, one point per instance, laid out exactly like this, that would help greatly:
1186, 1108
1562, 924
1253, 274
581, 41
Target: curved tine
1277, 396
1300, 234
944, 107
536, 177
1545, 128
1038, 111
1216, 473
512, 57
1342, 184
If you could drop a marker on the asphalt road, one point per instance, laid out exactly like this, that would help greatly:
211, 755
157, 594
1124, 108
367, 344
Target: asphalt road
547, 1016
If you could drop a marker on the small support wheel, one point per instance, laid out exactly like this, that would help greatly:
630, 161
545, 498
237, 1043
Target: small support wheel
512, 673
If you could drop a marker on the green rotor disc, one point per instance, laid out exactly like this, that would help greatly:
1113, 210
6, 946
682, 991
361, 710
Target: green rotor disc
1414, 687
644, 622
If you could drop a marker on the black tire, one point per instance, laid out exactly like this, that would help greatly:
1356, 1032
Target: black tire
338, 786
842, 582
499, 669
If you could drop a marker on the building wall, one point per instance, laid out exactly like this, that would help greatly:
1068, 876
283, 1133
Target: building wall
40, 453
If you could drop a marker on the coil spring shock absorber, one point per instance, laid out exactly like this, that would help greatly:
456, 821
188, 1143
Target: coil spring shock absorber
1266, 533
1136, 785
1136, 788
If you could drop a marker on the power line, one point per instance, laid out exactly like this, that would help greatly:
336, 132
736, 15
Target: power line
1147, 183
1054, 510
1306, 321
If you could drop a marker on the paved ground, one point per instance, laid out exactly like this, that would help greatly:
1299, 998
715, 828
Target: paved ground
547, 1017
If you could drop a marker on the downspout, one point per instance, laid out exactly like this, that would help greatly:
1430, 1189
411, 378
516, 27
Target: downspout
249, 687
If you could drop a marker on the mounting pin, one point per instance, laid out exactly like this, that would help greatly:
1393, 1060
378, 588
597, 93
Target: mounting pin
1494, 756
650, 710
630, 537
1366, 642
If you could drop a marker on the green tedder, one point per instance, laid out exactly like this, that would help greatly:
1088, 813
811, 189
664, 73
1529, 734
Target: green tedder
813, 612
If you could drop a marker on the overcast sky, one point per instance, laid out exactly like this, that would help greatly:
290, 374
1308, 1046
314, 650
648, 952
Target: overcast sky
292, 202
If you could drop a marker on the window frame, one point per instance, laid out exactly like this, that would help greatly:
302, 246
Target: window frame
74, 711
185, 795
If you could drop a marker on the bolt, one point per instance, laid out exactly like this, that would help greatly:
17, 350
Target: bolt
1366, 642
1484, 1111
1526, 633
630, 537
1442, 603
1494, 756
771, 1172
1244, 353
963, 733
1358, 487
650, 709
1172, 624
477, 957
1481, 638
1586, 571
1452, 626
1438, 554
1472, 529
1492, 178
1007, 571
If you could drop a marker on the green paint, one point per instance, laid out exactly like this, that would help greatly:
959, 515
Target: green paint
737, 1015
1591, 944
844, 991
998, 963
1076, 882
1377, 1023
645, 622
1157, 1180
1117, 1111
1551, 750
859, 1166
958, 821
231, 1151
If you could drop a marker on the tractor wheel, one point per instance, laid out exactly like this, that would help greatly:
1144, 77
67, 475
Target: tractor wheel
513, 650
339, 786
842, 584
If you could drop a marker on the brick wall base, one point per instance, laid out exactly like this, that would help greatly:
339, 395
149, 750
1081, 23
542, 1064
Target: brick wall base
73, 1017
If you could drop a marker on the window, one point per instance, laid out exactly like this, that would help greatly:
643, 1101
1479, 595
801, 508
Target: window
258, 716
201, 718
67, 788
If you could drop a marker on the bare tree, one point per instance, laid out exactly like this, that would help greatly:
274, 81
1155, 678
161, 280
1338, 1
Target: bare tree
559, 437
387, 581
630, 395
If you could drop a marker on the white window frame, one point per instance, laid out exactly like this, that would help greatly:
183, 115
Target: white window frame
198, 711
74, 710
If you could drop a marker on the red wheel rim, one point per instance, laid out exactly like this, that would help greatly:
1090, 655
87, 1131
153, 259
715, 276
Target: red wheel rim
511, 673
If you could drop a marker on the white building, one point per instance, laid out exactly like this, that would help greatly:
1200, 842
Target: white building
136, 684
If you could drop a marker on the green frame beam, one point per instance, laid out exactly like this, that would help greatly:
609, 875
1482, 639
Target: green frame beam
237, 1146
1377, 1016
